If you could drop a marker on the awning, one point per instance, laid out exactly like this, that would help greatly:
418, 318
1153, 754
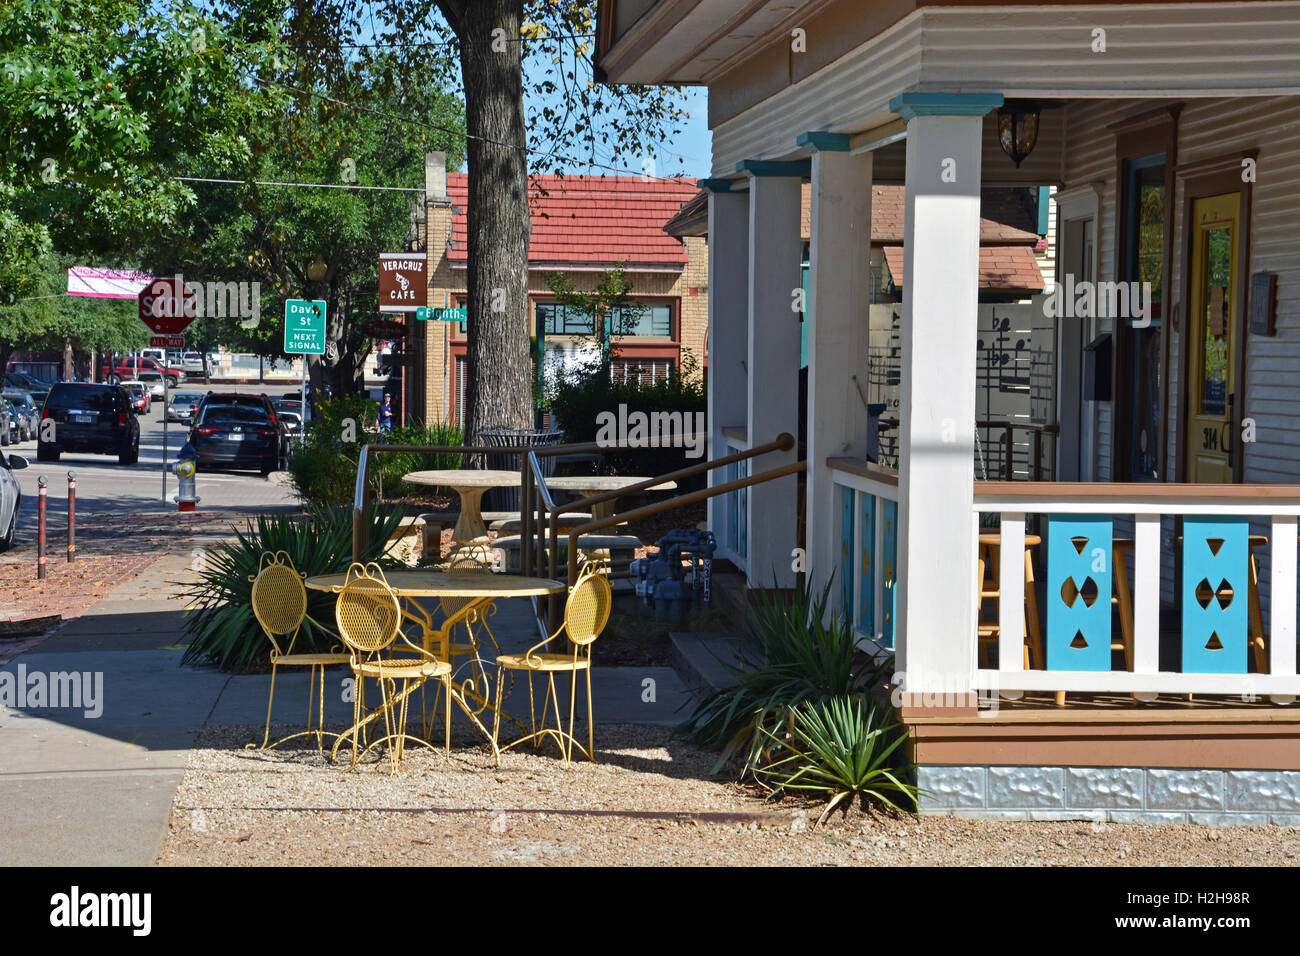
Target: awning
106, 283
1002, 268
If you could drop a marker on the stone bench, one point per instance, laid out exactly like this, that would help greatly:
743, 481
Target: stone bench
617, 549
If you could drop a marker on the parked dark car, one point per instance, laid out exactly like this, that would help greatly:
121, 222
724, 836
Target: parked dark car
28, 405
89, 418
8, 418
17, 422
27, 383
238, 436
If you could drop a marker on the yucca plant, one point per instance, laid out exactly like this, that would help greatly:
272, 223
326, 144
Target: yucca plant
841, 748
794, 650
220, 621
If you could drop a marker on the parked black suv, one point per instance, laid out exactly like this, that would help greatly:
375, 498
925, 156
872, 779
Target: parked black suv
94, 418
237, 436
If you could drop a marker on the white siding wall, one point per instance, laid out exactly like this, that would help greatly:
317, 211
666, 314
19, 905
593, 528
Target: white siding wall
1209, 128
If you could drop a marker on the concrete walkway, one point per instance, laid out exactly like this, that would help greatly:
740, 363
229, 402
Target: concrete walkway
83, 789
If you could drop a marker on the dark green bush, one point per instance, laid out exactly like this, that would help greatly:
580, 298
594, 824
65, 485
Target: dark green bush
393, 465
578, 397
220, 622
323, 469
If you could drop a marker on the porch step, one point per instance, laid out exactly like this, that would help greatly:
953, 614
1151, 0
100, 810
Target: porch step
704, 660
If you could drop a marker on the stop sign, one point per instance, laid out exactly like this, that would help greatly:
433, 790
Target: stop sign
168, 306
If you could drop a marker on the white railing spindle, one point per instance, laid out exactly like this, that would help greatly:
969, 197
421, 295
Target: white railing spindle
1011, 588
1146, 594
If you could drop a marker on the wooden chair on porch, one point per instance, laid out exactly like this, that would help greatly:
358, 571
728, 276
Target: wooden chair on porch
989, 631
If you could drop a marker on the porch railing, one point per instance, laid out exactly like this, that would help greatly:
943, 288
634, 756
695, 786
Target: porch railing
867, 495
1218, 629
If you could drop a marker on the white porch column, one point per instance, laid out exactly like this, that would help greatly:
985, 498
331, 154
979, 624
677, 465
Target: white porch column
775, 254
839, 292
728, 329
936, 543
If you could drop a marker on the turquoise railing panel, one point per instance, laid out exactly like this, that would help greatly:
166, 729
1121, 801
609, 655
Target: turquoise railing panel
888, 570
1215, 562
847, 554
1079, 589
866, 568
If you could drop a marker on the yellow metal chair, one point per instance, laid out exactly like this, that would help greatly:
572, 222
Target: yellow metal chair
280, 606
369, 618
585, 614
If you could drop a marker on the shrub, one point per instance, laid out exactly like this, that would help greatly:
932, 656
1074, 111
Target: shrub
579, 395
841, 748
323, 470
393, 465
793, 652
220, 623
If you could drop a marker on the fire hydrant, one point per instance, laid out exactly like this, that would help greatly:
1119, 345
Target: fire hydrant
184, 469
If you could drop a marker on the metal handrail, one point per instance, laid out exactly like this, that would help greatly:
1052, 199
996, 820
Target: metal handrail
361, 494
782, 442
646, 510
533, 481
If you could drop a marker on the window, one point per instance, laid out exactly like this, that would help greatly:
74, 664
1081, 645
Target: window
1145, 247
1145, 154
640, 371
643, 318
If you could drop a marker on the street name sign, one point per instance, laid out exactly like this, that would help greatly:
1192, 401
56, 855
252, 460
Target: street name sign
304, 327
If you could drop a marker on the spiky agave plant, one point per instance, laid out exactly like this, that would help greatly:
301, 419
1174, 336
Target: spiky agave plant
794, 650
220, 621
841, 748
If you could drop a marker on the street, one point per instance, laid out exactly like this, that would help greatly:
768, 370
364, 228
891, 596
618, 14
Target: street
105, 486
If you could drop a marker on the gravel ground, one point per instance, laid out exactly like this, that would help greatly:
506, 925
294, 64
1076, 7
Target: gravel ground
648, 802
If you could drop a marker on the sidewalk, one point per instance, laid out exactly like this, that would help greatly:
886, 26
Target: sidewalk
83, 790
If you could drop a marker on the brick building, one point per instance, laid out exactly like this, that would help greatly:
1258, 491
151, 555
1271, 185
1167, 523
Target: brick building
581, 226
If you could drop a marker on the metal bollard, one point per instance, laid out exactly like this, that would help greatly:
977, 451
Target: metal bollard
40, 529
72, 516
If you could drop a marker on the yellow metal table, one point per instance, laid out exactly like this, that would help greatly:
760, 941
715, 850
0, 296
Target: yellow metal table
477, 590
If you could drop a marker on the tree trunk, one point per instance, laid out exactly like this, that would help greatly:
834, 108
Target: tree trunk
499, 392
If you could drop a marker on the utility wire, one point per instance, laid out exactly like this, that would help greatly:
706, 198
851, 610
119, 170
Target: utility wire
267, 182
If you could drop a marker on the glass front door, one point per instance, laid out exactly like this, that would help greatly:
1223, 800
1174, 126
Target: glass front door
1214, 312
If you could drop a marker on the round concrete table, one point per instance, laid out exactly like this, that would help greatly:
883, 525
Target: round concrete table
470, 484
596, 484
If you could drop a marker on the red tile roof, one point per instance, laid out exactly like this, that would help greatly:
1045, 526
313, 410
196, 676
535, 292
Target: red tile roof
591, 219
1003, 268
1004, 217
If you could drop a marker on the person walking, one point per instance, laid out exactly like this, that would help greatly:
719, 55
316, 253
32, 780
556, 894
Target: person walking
386, 414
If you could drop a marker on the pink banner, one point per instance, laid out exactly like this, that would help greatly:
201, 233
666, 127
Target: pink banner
106, 283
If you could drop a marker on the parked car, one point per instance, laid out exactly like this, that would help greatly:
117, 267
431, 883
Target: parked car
154, 380
127, 369
20, 421
27, 383
238, 436
192, 362
182, 406
141, 398
90, 418
25, 403
11, 497
292, 406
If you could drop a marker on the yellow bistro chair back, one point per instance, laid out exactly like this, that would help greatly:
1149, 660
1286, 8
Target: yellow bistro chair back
367, 613
587, 610
279, 599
